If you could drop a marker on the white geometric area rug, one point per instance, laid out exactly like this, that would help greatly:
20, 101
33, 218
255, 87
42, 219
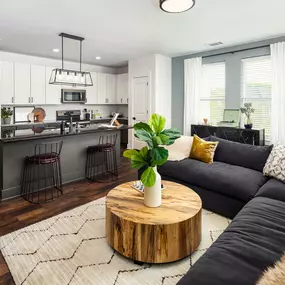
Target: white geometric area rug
71, 248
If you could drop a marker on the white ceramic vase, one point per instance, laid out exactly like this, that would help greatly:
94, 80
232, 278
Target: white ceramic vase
152, 195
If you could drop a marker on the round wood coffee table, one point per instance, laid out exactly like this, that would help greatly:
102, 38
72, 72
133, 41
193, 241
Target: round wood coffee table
154, 235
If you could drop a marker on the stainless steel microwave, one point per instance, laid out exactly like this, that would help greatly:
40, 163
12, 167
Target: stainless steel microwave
73, 96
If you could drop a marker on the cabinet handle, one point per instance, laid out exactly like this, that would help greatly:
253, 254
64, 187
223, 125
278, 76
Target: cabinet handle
32, 99
121, 100
29, 99
12, 99
128, 100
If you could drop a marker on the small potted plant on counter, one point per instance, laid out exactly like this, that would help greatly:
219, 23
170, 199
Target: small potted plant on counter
6, 114
152, 155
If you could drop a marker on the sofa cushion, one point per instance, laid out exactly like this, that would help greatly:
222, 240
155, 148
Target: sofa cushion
203, 150
275, 165
180, 149
230, 180
253, 241
245, 155
273, 189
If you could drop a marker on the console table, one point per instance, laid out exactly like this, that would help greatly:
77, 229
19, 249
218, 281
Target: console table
246, 136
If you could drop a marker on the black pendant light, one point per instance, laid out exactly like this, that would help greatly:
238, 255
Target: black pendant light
176, 6
61, 76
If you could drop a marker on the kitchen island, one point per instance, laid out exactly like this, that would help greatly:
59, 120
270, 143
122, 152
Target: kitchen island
15, 145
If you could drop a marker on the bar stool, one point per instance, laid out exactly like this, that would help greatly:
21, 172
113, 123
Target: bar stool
42, 179
101, 162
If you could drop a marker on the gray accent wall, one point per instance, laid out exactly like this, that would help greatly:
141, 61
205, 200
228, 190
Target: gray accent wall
232, 57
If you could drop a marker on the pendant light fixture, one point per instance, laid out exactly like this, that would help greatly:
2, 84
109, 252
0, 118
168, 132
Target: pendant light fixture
176, 6
61, 76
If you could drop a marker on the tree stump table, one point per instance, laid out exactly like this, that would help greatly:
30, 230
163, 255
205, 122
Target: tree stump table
154, 235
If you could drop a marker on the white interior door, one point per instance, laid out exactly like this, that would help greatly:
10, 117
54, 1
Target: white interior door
140, 105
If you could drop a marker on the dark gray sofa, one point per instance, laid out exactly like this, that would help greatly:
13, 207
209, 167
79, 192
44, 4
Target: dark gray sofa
232, 180
235, 187
253, 241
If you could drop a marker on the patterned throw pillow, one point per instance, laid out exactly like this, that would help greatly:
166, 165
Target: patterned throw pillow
203, 150
275, 164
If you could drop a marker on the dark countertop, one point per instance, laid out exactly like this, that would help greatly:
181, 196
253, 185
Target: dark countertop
28, 134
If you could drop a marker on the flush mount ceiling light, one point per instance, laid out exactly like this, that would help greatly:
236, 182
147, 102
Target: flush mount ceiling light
176, 6
61, 76
55, 50
98, 57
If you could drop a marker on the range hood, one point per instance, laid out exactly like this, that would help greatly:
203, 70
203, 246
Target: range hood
62, 76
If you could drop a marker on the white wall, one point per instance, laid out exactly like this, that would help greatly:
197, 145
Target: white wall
158, 70
163, 96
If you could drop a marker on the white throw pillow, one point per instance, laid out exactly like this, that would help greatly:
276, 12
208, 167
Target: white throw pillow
275, 164
180, 149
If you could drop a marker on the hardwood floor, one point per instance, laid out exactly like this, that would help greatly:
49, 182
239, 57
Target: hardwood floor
17, 213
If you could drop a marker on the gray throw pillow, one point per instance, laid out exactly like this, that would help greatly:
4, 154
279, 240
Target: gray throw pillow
275, 165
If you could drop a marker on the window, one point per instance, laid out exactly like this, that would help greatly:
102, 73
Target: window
212, 100
257, 89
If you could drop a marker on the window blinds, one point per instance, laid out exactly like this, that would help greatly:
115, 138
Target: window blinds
212, 100
257, 88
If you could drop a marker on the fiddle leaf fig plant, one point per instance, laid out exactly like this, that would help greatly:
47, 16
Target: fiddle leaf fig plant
154, 154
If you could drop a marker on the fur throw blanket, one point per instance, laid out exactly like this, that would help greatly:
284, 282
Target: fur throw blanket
274, 275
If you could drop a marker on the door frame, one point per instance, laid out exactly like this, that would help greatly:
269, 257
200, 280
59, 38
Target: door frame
131, 142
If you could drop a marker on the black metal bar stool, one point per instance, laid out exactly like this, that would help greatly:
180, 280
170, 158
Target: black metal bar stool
101, 162
42, 180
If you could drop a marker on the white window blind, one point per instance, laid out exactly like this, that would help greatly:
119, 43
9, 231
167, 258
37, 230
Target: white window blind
257, 89
212, 100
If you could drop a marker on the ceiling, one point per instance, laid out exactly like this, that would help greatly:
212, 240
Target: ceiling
119, 30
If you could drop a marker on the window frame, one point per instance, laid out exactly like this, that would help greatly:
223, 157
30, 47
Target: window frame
244, 99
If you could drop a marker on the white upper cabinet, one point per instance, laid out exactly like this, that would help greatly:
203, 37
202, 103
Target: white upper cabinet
106, 88
92, 91
6, 82
102, 88
53, 92
38, 84
111, 89
122, 88
22, 73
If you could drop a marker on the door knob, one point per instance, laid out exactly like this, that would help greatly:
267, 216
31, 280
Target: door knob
134, 118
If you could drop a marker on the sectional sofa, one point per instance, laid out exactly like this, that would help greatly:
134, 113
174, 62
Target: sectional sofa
234, 186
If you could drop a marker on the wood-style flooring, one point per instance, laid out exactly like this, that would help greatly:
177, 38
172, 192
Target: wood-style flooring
17, 213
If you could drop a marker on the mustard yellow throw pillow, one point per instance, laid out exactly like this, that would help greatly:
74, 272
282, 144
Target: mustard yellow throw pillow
203, 150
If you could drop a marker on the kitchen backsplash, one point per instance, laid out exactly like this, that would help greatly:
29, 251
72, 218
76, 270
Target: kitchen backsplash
104, 110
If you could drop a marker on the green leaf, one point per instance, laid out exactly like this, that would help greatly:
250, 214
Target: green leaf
172, 134
137, 161
156, 141
148, 177
159, 156
144, 153
164, 139
143, 126
157, 123
143, 135
129, 153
